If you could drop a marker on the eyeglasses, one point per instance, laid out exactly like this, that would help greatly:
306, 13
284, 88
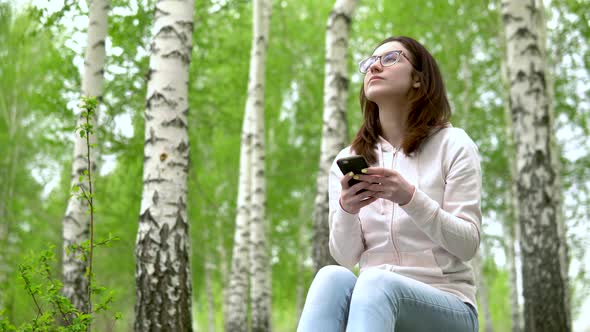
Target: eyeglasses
387, 59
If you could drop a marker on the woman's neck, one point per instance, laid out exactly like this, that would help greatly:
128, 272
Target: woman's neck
392, 118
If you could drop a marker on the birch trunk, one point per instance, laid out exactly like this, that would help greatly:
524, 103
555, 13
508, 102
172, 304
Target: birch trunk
334, 129
9, 173
555, 160
223, 266
209, 266
544, 288
76, 221
301, 245
236, 294
260, 272
163, 280
516, 312
482, 291
5, 252
511, 225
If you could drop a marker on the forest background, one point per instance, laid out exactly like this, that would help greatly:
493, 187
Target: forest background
40, 62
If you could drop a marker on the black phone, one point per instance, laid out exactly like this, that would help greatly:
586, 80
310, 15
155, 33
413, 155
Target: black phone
352, 164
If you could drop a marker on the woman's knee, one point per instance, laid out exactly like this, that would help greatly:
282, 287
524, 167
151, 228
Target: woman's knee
335, 275
377, 283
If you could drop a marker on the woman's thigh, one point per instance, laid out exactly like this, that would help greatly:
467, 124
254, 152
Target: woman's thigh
386, 301
327, 302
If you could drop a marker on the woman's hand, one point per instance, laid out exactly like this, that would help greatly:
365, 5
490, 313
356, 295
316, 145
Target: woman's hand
388, 184
351, 200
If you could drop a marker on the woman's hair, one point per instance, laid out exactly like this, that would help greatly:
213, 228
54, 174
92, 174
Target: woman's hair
429, 106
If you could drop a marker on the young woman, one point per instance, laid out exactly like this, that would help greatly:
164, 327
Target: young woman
413, 221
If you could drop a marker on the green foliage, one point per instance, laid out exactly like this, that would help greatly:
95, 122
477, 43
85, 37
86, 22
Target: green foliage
51, 308
498, 296
39, 283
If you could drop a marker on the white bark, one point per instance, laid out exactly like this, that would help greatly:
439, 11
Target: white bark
515, 307
236, 293
6, 220
544, 287
260, 270
334, 129
301, 257
163, 281
511, 225
209, 266
482, 291
556, 162
76, 221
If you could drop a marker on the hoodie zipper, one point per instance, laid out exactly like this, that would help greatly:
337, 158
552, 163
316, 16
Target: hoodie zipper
391, 221
392, 228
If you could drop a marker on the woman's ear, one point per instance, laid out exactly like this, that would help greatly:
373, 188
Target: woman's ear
416, 84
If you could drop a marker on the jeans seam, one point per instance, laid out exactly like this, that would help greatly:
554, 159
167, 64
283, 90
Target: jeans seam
434, 305
472, 315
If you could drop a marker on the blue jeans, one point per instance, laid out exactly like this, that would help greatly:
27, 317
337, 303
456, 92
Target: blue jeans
378, 301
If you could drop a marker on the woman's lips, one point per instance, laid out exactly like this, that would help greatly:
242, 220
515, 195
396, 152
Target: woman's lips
374, 78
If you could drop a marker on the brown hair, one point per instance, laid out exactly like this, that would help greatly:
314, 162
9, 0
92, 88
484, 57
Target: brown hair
429, 106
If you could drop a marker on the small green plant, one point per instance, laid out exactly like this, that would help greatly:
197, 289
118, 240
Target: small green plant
53, 311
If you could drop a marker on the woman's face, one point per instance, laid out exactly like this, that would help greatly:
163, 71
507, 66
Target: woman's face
395, 81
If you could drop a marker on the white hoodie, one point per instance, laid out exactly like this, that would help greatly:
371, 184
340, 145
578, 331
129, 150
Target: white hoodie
431, 238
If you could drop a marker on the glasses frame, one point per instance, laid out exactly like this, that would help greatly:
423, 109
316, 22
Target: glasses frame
380, 58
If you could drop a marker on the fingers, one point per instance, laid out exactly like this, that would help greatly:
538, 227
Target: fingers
345, 179
358, 187
379, 171
369, 178
353, 204
366, 202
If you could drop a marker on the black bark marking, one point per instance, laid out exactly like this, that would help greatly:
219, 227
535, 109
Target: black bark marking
168, 32
523, 33
334, 16
159, 13
99, 44
532, 49
158, 99
182, 147
149, 73
154, 180
155, 198
176, 54
176, 122
508, 18
146, 217
153, 139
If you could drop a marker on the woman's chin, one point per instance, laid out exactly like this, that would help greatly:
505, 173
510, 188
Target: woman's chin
375, 95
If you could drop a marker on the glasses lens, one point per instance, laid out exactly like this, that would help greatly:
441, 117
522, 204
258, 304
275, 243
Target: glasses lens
365, 64
390, 58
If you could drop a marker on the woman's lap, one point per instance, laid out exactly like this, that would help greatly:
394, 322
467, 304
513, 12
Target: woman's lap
379, 300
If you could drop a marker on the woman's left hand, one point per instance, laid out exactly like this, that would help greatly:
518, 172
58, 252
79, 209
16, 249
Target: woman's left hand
388, 184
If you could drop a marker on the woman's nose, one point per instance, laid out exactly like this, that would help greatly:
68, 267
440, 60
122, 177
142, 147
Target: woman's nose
376, 66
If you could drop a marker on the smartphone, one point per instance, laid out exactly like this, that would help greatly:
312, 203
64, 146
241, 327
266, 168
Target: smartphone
352, 164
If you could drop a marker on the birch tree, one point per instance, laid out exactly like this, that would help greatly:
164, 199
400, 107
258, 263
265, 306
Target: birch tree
482, 290
250, 252
76, 220
162, 275
334, 129
236, 294
511, 225
544, 287
260, 269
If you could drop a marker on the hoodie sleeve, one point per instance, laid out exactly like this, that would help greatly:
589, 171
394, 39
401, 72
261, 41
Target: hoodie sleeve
456, 224
346, 239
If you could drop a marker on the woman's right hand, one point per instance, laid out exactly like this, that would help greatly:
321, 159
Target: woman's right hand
351, 200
